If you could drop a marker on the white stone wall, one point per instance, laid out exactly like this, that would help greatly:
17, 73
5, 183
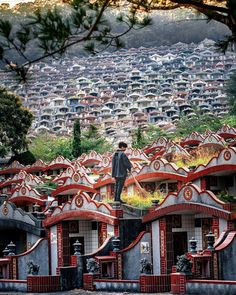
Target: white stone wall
222, 225
90, 236
53, 240
156, 247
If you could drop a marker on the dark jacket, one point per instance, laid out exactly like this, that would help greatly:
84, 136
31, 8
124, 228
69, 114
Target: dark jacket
120, 164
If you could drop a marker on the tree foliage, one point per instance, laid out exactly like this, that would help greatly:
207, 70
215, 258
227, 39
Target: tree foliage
92, 140
25, 158
231, 93
47, 146
142, 137
198, 123
223, 11
138, 140
76, 141
54, 30
229, 120
15, 121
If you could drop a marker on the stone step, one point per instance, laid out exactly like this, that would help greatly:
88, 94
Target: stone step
117, 286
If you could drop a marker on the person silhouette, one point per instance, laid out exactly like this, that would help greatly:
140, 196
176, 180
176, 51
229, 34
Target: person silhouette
121, 165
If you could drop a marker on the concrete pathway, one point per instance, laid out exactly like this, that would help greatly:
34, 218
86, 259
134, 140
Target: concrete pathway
81, 292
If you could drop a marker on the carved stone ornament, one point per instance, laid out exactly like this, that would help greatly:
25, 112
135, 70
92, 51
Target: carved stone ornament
92, 266
227, 155
188, 193
79, 202
146, 266
33, 269
184, 265
5, 210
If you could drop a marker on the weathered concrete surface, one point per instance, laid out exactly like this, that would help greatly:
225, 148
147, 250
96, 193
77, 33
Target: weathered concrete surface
131, 259
81, 292
227, 269
211, 289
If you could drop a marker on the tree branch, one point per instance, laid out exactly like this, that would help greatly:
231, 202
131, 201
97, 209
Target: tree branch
84, 38
200, 5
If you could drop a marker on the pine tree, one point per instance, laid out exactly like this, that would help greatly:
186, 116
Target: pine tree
76, 142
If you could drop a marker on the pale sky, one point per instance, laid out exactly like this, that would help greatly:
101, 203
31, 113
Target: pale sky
13, 2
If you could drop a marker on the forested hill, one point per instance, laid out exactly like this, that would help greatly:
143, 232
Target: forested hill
169, 27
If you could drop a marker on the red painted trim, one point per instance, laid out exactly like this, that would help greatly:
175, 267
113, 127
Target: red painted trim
220, 238
233, 215
56, 166
208, 170
226, 134
13, 281
61, 189
95, 161
212, 282
134, 243
229, 239
35, 168
80, 213
8, 183
103, 183
186, 206
89, 200
163, 174
198, 191
117, 281
103, 170
190, 141
28, 199
11, 170
31, 249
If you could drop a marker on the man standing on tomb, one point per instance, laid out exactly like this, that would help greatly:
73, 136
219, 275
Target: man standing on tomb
120, 167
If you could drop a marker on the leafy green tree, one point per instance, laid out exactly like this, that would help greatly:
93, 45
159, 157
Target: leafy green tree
140, 137
229, 120
92, 140
198, 123
25, 158
231, 93
153, 132
47, 147
76, 141
15, 121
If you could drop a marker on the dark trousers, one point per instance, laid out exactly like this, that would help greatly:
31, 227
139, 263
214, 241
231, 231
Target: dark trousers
120, 181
